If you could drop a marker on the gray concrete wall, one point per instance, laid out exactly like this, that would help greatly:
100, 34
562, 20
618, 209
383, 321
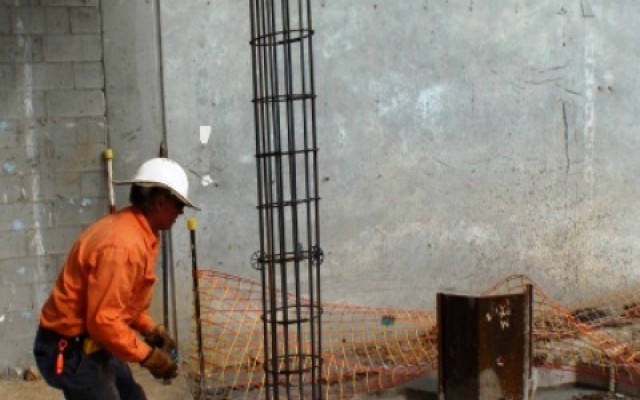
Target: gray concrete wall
460, 142
52, 134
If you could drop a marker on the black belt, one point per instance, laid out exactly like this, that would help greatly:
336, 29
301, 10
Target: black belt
53, 336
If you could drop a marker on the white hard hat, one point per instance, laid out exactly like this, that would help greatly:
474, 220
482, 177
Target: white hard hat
163, 172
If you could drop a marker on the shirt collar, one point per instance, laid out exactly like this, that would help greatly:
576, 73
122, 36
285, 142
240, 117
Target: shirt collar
150, 237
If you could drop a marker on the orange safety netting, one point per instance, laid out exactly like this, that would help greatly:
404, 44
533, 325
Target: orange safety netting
372, 349
599, 336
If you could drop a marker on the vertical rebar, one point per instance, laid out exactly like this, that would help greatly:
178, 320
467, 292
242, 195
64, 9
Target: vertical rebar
286, 152
192, 224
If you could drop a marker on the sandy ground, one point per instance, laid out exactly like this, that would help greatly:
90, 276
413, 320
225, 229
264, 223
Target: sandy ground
16, 389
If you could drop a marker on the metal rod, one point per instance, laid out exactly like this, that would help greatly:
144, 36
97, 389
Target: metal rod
192, 224
168, 278
168, 274
165, 259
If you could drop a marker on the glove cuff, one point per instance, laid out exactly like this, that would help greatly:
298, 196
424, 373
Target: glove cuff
159, 329
148, 356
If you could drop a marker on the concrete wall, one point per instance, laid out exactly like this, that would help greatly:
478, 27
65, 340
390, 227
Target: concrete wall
52, 134
460, 142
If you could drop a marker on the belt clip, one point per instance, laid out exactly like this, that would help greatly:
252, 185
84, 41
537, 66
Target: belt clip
62, 345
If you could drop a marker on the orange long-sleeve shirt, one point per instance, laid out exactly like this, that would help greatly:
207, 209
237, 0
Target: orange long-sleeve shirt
106, 285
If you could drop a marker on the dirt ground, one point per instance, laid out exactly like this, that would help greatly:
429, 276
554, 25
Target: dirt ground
17, 389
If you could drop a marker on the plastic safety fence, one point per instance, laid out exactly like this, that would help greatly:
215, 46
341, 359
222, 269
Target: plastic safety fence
598, 337
368, 349
365, 349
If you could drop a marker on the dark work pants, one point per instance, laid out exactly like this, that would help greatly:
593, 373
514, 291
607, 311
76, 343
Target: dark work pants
98, 376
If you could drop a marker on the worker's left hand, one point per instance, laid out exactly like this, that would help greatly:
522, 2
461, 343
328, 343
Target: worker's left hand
160, 338
160, 365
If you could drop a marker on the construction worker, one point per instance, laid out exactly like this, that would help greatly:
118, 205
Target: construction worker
96, 319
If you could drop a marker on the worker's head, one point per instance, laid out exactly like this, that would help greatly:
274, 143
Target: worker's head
160, 190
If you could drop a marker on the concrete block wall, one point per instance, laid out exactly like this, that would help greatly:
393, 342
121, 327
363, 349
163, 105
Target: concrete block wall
52, 135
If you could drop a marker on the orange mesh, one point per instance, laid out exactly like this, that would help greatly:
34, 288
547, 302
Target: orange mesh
372, 349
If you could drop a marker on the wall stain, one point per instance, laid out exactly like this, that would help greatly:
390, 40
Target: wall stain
17, 225
8, 168
206, 180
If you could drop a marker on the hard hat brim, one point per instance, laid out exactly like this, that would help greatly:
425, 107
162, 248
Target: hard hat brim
183, 199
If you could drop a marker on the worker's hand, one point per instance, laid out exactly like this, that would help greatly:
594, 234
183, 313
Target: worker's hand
160, 338
160, 365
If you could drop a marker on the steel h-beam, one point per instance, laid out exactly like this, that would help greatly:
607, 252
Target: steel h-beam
287, 170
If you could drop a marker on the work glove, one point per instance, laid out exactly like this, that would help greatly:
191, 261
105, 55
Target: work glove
160, 365
160, 338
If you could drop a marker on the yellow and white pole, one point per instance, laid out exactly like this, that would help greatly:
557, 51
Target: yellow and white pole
108, 159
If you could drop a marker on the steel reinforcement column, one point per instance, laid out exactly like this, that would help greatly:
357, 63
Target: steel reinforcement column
287, 170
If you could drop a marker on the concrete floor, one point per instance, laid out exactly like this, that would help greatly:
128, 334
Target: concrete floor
555, 388
15, 389
556, 393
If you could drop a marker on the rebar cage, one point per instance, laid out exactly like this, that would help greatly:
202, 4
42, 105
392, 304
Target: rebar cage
287, 183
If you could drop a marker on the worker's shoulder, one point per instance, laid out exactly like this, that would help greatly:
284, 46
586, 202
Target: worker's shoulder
122, 229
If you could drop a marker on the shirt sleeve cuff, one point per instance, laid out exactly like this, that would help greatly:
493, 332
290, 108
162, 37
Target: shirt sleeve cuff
142, 353
144, 324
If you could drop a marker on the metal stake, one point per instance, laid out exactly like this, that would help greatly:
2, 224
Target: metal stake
191, 225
